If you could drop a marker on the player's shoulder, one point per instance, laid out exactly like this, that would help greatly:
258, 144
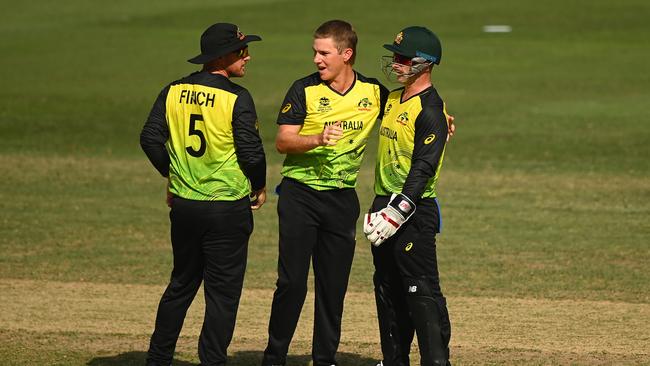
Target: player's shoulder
432, 107
193, 78
368, 80
237, 89
307, 81
396, 93
217, 81
182, 80
430, 99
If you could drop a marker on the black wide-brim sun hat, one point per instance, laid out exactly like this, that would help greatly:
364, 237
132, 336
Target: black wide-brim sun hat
220, 39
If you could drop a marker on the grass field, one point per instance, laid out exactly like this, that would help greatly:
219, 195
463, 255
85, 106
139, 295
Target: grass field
545, 189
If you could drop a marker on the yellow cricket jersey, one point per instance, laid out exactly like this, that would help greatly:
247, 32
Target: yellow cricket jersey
209, 129
411, 148
313, 104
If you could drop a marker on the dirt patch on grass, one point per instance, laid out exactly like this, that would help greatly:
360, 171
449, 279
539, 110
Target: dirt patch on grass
107, 318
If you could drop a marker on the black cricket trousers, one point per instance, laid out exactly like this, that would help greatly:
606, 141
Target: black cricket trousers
407, 264
210, 244
316, 225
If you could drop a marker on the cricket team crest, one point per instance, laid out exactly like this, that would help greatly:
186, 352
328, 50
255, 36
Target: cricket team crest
403, 118
324, 105
364, 104
399, 38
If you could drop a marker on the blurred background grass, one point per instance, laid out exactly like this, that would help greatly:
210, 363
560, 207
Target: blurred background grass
550, 163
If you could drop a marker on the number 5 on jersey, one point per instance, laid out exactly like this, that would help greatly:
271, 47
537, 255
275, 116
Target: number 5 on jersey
193, 131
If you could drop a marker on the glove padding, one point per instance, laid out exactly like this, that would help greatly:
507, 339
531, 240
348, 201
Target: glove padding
381, 225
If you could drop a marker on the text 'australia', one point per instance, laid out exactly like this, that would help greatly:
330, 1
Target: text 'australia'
387, 132
198, 98
347, 125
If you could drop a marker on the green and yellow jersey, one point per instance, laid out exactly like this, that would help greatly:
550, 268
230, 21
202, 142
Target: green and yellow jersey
412, 140
313, 104
202, 133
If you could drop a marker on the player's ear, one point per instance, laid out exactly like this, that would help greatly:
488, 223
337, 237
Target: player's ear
347, 54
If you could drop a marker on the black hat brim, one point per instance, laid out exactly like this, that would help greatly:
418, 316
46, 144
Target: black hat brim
204, 59
395, 49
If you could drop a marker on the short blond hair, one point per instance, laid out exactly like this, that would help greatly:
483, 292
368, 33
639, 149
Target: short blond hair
342, 33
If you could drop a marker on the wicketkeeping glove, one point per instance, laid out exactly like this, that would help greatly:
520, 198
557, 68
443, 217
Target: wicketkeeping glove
381, 225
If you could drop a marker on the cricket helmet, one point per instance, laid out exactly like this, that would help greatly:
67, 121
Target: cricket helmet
417, 42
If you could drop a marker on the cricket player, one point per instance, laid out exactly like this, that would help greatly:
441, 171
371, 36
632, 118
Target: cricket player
202, 134
324, 124
405, 217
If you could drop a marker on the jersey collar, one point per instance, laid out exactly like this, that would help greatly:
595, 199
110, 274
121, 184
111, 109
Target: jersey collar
425, 91
347, 91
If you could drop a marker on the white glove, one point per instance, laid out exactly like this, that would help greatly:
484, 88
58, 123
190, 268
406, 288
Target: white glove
381, 225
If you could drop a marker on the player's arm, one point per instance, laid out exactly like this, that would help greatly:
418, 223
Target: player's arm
291, 119
429, 143
451, 127
248, 146
383, 98
290, 141
155, 134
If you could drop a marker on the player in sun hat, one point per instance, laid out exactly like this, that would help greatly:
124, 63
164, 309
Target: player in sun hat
202, 135
220, 39
404, 218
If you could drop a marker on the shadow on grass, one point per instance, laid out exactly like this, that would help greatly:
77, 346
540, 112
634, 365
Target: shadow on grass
242, 358
254, 358
129, 359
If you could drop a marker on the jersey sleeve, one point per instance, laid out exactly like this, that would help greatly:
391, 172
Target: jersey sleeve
294, 109
155, 134
383, 97
429, 144
248, 144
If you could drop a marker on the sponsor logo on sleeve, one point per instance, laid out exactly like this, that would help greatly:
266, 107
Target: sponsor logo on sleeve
429, 139
286, 108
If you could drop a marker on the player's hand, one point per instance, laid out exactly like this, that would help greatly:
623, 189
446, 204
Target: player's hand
451, 127
330, 135
381, 225
258, 198
367, 222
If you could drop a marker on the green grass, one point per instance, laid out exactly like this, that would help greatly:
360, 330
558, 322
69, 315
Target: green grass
545, 189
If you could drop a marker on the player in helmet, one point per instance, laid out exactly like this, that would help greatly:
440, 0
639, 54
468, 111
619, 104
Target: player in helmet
404, 218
